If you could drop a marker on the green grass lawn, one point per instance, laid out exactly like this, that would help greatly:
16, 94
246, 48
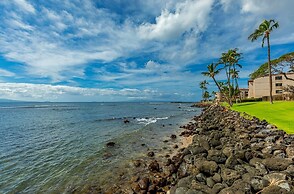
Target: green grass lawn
281, 113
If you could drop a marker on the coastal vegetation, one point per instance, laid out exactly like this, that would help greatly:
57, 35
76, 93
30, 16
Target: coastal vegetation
282, 65
229, 64
264, 30
280, 114
203, 87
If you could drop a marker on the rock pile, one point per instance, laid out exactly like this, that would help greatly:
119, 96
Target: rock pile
229, 155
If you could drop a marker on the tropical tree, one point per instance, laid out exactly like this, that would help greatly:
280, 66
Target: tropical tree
206, 96
264, 30
230, 61
282, 65
203, 86
212, 71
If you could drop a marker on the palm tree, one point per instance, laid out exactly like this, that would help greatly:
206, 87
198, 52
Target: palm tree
206, 96
212, 72
230, 61
203, 86
264, 29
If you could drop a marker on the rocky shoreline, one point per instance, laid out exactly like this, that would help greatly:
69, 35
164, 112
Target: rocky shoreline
229, 154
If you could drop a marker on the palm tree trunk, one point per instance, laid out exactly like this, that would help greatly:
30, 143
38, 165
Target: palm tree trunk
220, 91
270, 69
229, 87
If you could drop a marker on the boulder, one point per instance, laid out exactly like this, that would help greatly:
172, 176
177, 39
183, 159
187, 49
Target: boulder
217, 156
110, 144
229, 176
181, 190
173, 136
277, 164
150, 154
290, 152
258, 183
207, 167
144, 183
153, 166
274, 189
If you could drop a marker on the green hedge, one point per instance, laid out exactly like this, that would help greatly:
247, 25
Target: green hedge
251, 100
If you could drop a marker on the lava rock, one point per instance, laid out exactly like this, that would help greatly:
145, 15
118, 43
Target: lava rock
144, 183
277, 164
110, 144
153, 166
150, 154
173, 136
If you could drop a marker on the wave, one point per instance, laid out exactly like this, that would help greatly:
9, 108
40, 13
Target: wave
147, 121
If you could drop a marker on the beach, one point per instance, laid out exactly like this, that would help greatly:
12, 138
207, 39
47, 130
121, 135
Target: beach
227, 154
183, 151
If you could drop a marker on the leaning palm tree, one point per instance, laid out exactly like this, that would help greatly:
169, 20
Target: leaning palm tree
212, 71
264, 29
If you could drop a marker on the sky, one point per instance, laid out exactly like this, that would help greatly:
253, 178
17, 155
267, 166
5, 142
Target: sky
129, 50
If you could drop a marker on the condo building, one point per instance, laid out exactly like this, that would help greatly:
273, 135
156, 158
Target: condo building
259, 87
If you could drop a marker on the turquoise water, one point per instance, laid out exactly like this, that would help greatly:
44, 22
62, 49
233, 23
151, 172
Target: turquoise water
58, 147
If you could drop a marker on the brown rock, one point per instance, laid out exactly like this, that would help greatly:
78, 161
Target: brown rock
144, 183
150, 154
135, 187
274, 189
153, 166
229, 176
136, 163
110, 144
277, 164
290, 151
173, 136
208, 167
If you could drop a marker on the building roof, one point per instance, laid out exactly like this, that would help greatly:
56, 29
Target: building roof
275, 74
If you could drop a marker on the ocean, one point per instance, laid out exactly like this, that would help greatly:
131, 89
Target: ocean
61, 147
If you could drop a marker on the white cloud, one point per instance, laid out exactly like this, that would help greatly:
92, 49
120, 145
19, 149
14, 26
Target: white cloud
191, 14
25, 5
19, 24
44, 92
167, 36
6, 73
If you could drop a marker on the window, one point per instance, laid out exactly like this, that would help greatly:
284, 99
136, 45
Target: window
279, 84
278, 78
279, 91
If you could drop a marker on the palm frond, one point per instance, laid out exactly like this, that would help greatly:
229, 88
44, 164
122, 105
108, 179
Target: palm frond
255, 35
274, 26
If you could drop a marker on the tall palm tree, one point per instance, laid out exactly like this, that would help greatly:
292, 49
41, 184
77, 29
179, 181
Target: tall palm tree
230, 61
264, 30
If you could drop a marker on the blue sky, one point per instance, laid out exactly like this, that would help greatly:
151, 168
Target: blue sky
126, 50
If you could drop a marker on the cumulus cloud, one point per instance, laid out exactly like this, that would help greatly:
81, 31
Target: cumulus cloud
138, 44
192, 14
48, 51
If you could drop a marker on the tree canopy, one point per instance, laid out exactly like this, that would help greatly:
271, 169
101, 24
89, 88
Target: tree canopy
283, 64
